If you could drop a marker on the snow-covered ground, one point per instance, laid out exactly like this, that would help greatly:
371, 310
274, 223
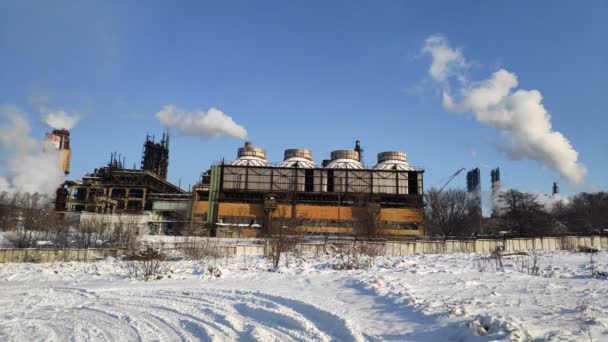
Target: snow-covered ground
413, 298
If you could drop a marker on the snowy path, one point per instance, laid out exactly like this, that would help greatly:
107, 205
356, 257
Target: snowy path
267, 306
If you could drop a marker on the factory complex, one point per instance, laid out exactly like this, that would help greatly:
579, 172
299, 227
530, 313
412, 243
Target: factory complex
252, 197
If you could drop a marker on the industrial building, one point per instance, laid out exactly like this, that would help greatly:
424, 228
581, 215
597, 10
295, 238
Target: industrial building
245, 197
249, 196
116, 189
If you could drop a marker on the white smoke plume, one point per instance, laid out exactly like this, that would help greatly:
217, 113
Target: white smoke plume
445, 60
498, 103
60, 119
55, 118
29, 166
210, 124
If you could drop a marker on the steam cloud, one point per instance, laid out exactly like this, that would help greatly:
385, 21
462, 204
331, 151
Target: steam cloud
55, 118
498, 103
30, 165
59, 119
210, 124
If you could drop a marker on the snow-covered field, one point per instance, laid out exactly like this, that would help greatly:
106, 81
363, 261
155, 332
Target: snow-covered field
414, 298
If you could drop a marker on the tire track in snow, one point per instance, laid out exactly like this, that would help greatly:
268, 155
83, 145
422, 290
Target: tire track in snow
166, 315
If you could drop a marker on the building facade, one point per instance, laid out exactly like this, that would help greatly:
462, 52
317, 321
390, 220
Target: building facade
247, 197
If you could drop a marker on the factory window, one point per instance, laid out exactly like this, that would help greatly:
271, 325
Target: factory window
119, 193
330, 180
202, 195
136, 193
309, 181
398, 225
134, 205
413, 183
242, 220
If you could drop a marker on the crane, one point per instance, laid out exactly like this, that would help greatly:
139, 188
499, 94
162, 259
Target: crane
450, 179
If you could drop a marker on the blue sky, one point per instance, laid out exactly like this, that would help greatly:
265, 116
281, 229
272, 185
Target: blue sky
312, 74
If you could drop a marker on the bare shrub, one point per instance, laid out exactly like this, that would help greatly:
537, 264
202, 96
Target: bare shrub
145, 264
355, 256
491, 263
529, 264
200, 249
24, 238
595, 269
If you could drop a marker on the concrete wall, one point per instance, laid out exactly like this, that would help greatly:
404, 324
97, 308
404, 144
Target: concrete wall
391, 248
49, 255
142, 221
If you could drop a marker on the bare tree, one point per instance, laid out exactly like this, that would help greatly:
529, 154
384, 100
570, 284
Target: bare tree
584, 213
283, 237
27, 217
90, 230
450, 213
523, 214
124, 231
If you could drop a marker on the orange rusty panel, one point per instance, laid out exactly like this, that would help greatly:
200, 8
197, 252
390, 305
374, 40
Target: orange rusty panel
318, 230
401, 215
388, 232
322, 212
249, 233
283, 211
240, 209
200, 207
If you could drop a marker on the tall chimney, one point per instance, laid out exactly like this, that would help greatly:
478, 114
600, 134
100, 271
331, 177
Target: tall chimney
495, 174
555, 189
60, 139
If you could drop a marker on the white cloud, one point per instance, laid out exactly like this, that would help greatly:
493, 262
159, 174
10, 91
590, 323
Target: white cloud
210, 124
519, 114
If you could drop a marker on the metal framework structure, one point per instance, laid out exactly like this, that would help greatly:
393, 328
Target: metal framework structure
112, 189
155, 156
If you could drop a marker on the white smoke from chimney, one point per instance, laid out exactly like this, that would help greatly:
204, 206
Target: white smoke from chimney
519, 114
445, 60
210, 124
60, 119
55, 118
29, 165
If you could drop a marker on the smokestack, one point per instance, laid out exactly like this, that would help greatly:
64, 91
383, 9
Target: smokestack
473, 178
60, 139
359, 150
555, 189
495, 175
474, 192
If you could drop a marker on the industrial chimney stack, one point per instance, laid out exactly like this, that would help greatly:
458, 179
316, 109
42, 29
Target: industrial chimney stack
60, 139
495, 174
555, 189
